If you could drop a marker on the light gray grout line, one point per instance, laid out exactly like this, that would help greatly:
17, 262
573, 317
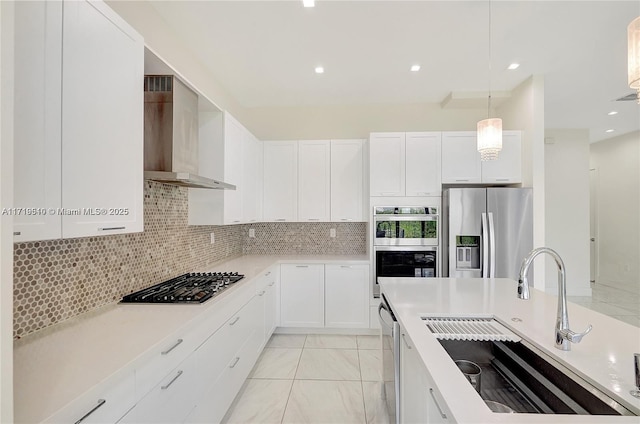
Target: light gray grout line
284, 411
364, 404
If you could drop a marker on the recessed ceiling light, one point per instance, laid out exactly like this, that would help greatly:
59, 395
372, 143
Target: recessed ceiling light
319, 70
513, 66
610, 131
613, 112
308, 3
415, 68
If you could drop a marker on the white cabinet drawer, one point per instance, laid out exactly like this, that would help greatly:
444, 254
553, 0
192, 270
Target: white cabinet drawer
104, 404
172, 351
172, 399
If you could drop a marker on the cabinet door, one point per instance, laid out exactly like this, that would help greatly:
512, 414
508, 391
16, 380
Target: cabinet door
423, 157
387, 164
314, 181
507, 168
280, 181
346, 296
271, 303
460, 158
37, 112
302, 295
413, 387
251, 177
233, 169
102, 122
346, 180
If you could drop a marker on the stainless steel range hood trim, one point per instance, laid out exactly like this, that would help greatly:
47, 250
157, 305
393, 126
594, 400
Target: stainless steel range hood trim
184, 179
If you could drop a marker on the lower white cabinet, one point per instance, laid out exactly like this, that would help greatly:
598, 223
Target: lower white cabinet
420, 401
272, 301
346, 296
324, 295
302, 295
173, 397
105, 404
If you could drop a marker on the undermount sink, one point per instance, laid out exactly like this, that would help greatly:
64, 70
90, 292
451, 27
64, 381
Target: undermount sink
514, 375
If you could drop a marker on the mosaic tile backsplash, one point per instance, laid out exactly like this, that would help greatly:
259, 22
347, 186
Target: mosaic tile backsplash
58, 279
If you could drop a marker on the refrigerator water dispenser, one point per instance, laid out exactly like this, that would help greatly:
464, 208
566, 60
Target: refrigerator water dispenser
467, 252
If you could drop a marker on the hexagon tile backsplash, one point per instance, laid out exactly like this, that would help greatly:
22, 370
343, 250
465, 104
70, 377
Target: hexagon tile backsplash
58, 279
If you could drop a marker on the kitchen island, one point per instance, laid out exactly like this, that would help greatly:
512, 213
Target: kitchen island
604, 358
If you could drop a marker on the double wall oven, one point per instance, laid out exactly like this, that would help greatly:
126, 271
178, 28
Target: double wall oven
405, 242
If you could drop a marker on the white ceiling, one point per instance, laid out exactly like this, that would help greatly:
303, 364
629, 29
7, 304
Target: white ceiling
264, 52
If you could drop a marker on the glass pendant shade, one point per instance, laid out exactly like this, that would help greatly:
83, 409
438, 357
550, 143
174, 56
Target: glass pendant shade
489, 138
633, 38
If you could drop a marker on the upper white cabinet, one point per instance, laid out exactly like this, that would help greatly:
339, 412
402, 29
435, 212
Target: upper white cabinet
461, 162
79, 121
387, 164
251, 187
280, 182
314, 181
508, 167
405, 164
228, 152
347, 180
422, 153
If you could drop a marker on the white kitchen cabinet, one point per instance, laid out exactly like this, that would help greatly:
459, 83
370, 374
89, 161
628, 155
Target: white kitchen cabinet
507, 168
387, 164
302, 295
172, 399
347, 180
87, 111
423, 170
280, 181
460, 158
225, 360
37, 125
420, 401
227, 152
251, 187
461, 162
105, 403
346, 296
233, 164
270, 284
314, 180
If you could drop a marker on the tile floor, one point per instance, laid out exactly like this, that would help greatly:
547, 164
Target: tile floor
313, 379
619, 304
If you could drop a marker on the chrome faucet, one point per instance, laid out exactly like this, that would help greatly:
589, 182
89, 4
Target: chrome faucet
563, 334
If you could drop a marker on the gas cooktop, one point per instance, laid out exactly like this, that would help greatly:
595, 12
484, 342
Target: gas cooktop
196, 287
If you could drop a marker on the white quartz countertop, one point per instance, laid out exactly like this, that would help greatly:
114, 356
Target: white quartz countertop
604, 357
54, 366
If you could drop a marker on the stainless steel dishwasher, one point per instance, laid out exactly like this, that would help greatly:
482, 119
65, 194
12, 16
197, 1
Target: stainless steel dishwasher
390, 330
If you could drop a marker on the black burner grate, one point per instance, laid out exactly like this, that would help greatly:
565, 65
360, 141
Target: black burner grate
195, 287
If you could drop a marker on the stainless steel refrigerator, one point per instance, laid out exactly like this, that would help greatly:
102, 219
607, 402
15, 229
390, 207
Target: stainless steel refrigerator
486, 232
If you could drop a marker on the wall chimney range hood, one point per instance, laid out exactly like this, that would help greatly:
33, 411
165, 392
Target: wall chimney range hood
171, 134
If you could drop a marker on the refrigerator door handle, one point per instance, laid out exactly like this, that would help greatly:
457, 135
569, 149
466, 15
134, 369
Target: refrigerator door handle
492, 247
485, 247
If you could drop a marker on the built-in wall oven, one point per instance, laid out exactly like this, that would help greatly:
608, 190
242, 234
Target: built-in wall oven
405, 242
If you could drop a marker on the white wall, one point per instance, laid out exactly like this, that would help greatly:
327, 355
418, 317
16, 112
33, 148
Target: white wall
525, 111
161, 39
567, 207
617, 165
356, 121
6, 222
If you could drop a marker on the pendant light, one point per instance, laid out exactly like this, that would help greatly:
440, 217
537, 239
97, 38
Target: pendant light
490, 129
633, 47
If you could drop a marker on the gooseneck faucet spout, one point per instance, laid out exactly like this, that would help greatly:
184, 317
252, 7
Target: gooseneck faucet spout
564, 336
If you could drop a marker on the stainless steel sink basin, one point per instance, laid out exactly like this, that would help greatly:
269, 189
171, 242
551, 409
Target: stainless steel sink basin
515, 375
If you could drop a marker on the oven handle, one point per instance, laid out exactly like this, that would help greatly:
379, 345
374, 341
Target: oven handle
405, 248
405, 218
